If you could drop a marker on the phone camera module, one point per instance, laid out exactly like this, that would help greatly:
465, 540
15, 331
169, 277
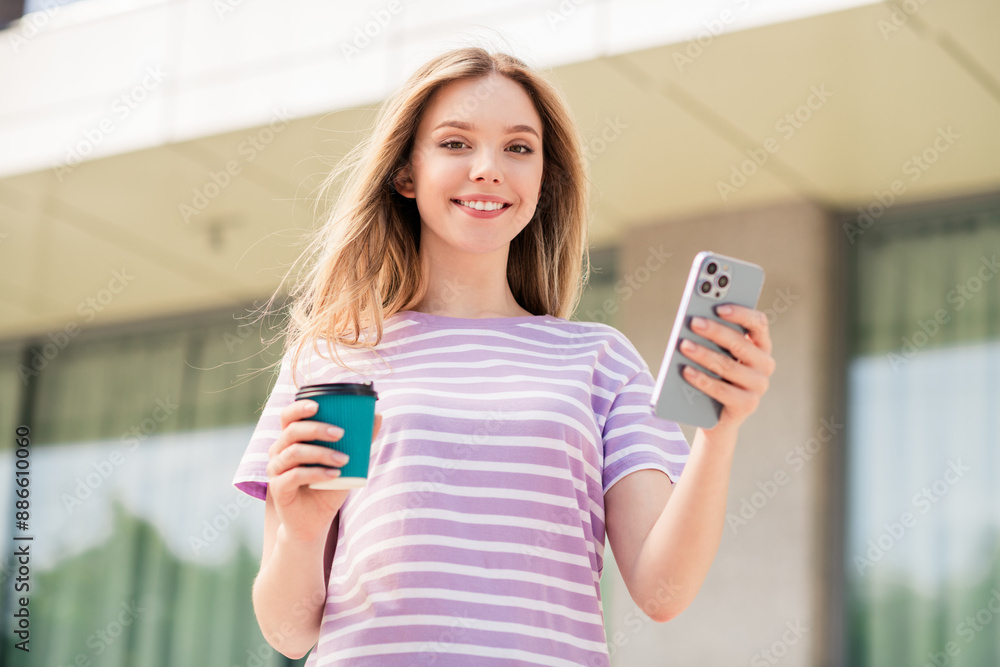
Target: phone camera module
706, 287
711, 268
723, 281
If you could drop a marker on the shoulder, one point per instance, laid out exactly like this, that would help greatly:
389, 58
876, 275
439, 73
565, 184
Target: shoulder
613, 346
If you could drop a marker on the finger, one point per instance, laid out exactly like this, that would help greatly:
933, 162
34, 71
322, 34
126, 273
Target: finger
743, 376
304, 431
289, 483
300, 453
731, 396
754, 321
378, 425
738, 344
298, 410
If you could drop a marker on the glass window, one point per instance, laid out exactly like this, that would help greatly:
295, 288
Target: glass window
923, 515
143, 552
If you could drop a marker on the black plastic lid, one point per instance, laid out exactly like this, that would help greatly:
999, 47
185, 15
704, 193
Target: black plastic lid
355, 388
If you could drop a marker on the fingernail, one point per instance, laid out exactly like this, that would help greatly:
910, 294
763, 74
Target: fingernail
697, 323
309, 406
687, 345
725, 310
334, 430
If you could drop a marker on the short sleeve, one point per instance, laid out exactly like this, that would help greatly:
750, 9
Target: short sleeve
251, 477
635, 438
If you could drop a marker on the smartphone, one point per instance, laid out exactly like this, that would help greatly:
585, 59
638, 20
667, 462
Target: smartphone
714, 280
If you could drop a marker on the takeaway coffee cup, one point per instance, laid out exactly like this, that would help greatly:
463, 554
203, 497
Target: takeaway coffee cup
351, 406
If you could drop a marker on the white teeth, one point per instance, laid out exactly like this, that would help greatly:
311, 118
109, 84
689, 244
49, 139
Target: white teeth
482, 205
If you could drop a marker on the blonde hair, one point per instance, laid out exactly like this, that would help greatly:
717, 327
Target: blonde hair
367, 265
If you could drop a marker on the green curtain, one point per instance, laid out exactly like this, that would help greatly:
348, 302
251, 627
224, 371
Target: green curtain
144, 555
923, 517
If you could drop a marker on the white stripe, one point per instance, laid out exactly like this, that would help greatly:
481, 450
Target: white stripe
592, 472
588, 431
631, 410
431, 539
525, 576
659, 433
250, 478
490, 334
561, 474
635, 449
413, 648
483, 440
464, 492
642, 466
468, 596
492, 396
446, 620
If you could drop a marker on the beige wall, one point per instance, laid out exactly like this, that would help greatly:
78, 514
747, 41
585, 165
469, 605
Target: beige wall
772, 570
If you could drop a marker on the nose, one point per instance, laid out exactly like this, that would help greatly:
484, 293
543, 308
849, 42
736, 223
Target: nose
484, 168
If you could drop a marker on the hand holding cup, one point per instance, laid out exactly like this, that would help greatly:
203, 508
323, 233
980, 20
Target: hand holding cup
294, 464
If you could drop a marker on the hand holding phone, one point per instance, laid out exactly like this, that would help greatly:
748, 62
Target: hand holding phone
714, 280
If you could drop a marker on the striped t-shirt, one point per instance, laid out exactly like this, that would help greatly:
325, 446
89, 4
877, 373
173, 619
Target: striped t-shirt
479, 539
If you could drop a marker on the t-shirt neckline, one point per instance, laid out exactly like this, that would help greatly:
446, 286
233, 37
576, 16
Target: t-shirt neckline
470, 322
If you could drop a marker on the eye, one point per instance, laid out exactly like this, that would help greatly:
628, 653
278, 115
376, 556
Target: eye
449, 143
526, 151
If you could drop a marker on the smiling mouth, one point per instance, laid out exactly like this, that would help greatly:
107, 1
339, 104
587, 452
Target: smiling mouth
486, 206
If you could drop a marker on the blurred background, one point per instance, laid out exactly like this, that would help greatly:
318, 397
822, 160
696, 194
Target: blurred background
158, 163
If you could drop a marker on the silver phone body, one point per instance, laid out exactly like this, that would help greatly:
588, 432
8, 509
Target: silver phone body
674, 397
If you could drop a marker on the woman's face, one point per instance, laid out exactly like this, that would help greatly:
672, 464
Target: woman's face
476, 138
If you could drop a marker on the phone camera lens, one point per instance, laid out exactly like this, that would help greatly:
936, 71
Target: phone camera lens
706, 287
711, 268
723, 281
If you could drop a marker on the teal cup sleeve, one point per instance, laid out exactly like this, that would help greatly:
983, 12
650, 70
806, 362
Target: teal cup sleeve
356, 415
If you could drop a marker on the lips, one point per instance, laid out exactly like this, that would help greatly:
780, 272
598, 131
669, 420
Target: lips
476, 213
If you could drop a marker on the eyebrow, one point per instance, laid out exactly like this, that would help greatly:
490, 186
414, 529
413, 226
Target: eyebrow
462, 125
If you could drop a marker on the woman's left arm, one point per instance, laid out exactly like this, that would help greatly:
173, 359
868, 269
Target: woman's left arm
668, 547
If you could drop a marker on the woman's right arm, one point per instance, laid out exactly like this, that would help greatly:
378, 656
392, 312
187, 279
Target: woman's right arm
289, 593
